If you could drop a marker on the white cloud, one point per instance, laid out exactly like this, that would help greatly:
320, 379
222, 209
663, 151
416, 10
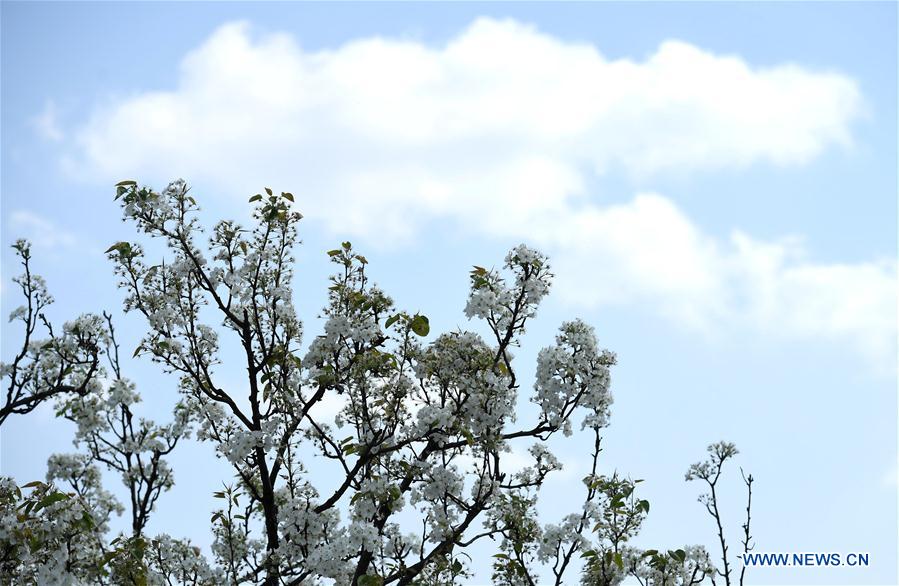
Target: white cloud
47, 124
500, 130
891, 476
388, 127
649, 252
40, 231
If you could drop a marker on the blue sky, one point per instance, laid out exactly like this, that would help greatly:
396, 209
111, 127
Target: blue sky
715, 184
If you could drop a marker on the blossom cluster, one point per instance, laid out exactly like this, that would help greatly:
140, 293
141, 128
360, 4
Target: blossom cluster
468, 391
48, 537
506, 307
574, 372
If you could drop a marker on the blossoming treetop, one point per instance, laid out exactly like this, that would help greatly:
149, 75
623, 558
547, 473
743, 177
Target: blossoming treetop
417, 453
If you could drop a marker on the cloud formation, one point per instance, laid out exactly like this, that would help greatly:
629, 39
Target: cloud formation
501, 130
40, 231
47, 123
649, 252
501, 84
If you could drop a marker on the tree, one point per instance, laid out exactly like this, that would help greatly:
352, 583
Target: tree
422, 434
65, 363
709, 471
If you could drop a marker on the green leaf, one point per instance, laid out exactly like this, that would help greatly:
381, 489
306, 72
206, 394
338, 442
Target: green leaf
333, 253
391, 320
618, 561
120, 247
108, 557
420, 325
256, 197
126, 183
86, 521
286, 195
50, 499
370, 580
268, 190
